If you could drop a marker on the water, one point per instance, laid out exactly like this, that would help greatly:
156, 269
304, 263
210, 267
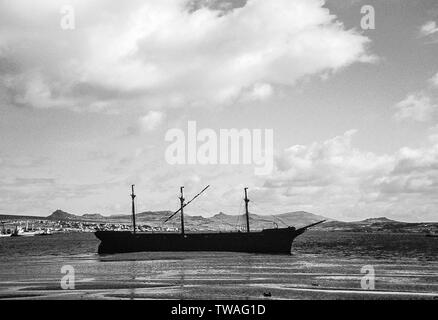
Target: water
324, 265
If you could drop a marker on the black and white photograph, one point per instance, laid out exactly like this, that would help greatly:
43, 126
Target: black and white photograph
205, 153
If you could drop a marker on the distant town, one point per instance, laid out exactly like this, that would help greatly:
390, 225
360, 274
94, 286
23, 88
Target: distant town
50, 226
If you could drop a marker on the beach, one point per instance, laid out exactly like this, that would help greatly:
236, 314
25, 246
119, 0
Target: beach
322, 265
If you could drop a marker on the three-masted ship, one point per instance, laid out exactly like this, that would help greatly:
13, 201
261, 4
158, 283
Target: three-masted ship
277, 240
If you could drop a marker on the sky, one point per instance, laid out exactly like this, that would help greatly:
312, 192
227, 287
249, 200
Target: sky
88, 92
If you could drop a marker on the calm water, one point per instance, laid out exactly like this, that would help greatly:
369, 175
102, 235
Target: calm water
324, 265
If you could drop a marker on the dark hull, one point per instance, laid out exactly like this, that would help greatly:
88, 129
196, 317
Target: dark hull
266, 241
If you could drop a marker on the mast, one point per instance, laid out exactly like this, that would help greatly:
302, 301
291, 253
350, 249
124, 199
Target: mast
133, 208
186, 204
181, 199
246, 210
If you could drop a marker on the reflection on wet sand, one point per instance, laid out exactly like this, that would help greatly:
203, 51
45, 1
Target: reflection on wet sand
206, 275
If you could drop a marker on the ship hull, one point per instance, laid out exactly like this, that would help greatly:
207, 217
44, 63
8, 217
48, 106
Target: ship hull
266, 241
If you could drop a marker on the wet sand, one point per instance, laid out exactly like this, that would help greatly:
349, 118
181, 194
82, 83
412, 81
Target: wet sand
306, 274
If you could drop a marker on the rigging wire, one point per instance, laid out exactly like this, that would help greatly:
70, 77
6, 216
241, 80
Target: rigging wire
272, 216
238, 224
187, 203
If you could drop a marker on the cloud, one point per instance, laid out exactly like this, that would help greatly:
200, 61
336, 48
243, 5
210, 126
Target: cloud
415, 171
416, 106
335, 178
420, 106
166, 53
434, 80
258, 92
324, 164
151, 120
429, 28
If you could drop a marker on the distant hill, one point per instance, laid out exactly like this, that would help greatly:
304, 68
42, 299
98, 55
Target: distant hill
300, 218
147, 215
62, 215
377, 220
381, 224
220, 221
224, 222
92, 216
10, 217
296, 219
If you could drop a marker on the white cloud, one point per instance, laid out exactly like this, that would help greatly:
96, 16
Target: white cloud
339, 180
151, 120
162, 54
429, 28
258, 92
434, 80
323, 164
416, 106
